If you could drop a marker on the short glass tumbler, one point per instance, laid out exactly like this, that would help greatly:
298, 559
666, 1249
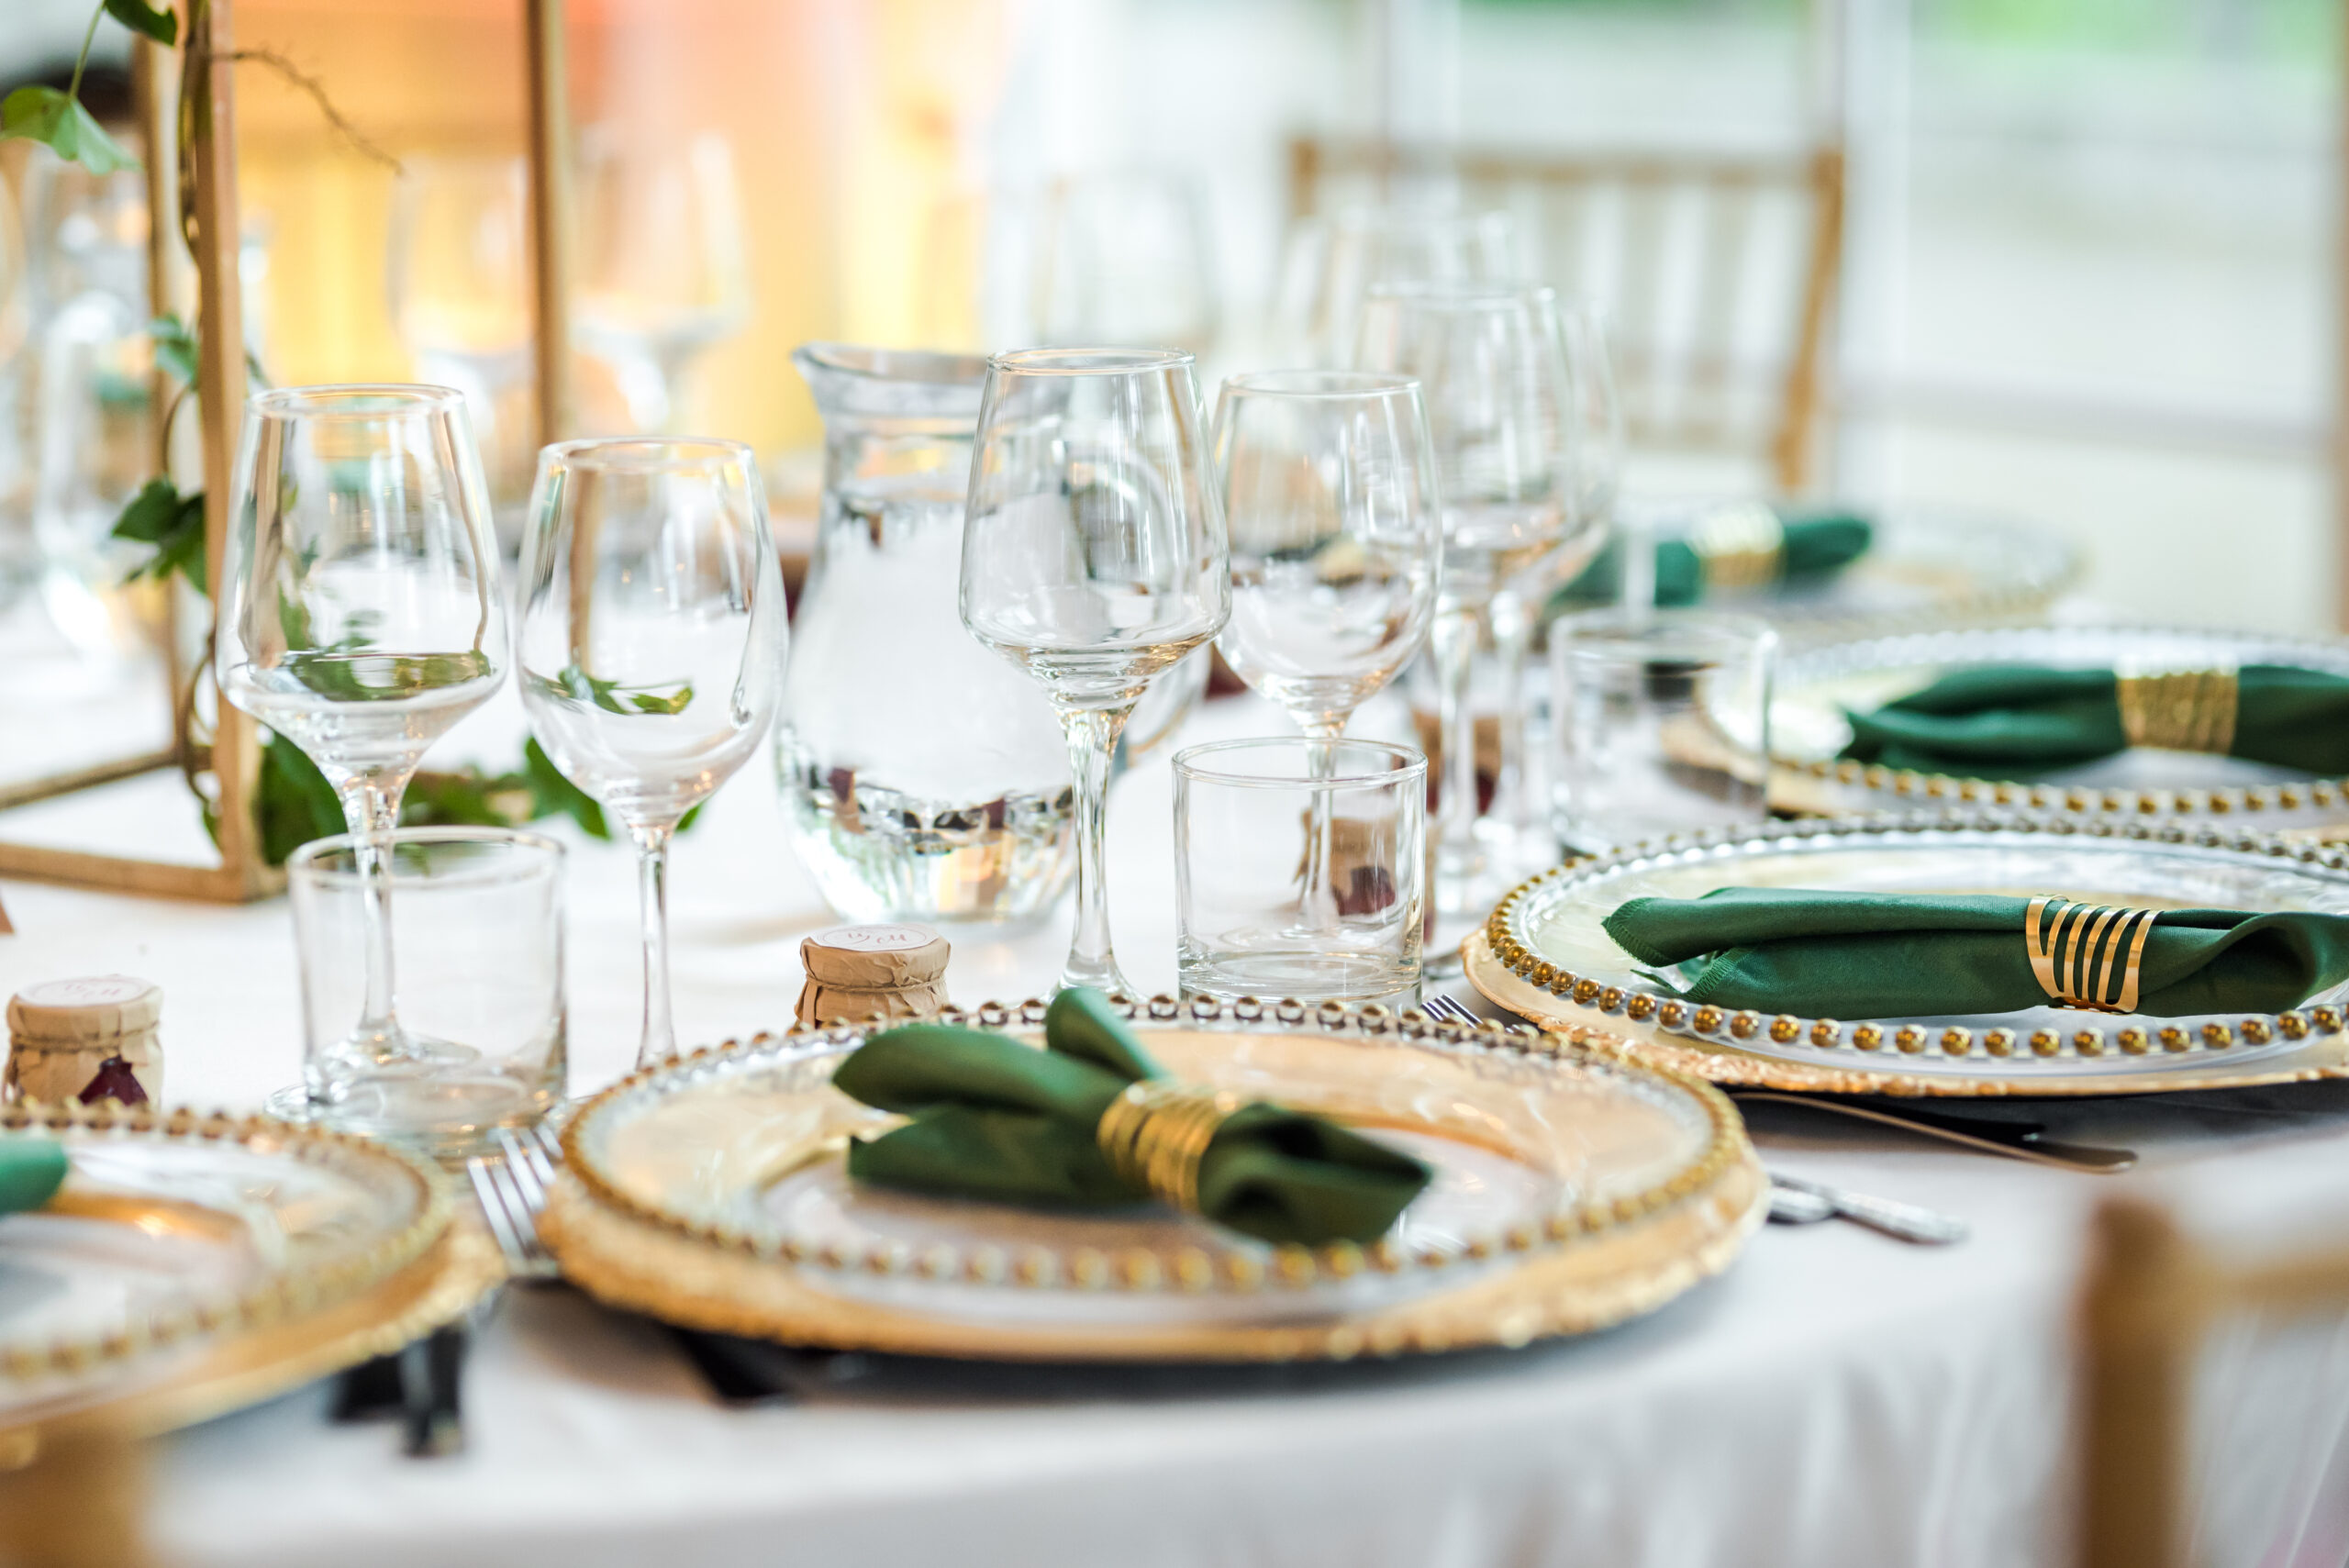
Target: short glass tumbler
477, 919
1661, 725
1263, 915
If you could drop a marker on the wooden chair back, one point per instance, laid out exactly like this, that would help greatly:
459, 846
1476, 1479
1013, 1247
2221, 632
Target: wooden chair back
1718, 271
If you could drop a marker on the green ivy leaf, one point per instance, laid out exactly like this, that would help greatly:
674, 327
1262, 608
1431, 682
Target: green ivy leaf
551, 793
151, 513
676, 702
58, 122
467, 798
142, 18
293, 802
158, 515
613, 696
174, 346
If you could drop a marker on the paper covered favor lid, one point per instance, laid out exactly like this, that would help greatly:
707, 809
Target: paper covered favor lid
88, 1011
875, 958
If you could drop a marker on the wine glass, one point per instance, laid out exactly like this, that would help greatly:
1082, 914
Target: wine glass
1518, 826
361, 618
651, 643
663, 269
1125, 257
1330, 264
1337, 536
1492, 370
1093, 557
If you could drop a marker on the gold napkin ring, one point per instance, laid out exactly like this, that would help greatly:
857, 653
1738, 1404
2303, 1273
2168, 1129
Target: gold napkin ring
1740, 547
1157, 1130
2073, 947
2185, 710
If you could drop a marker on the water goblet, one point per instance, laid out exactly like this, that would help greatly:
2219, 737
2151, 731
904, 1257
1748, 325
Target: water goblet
361, 618
650, 640
1094, 557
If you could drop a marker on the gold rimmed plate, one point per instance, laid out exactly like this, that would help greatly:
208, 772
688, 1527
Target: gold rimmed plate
190, 1262
1572, 1189
1545, 954
1816, 687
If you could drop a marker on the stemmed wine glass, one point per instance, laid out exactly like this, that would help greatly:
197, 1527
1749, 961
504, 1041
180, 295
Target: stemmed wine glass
1490, 365
1518, 820
1330, 497
1330, 264
651, 643
361, 618
1094, 557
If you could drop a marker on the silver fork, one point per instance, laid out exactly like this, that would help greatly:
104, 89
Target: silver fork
512, 1185
1436, 1005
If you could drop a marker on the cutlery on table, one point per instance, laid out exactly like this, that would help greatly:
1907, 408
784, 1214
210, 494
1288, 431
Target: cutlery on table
2018, 1140
1797, 1202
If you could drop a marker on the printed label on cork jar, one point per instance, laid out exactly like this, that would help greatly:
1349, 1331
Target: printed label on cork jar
874, 939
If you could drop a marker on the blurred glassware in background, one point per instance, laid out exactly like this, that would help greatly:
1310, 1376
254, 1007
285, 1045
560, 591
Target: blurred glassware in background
361, 616
1328, 266
1330, 497
663, 270
1661, 724
1492, 370
19, 563
1125, 257
1094, 556
922, 776
1515, 827
651, 641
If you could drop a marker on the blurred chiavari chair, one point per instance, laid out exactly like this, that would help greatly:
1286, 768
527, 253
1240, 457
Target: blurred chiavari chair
2164, 1319
75, 1501
1718, 271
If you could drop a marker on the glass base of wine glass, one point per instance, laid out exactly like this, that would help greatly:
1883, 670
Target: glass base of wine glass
445, 1118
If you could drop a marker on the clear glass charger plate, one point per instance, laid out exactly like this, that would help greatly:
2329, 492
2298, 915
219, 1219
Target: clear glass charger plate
1543, 953
1925, 566
1572, 1190
1815, 686
189, 1260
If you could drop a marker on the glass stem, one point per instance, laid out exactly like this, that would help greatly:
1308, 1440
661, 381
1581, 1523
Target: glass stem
660, 1038
1453, 641
1318, 908
370, 809
1512, 639
1092, 735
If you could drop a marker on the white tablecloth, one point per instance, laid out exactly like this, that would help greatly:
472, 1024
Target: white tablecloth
1838, 1398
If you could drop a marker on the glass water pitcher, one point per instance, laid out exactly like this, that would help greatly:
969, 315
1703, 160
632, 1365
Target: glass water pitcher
923, 776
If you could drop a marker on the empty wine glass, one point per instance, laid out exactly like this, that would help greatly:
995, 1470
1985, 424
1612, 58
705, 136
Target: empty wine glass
1491, 368
1330, 264
651, 643
1125, 257
361, 618
1093, 557
1337, 536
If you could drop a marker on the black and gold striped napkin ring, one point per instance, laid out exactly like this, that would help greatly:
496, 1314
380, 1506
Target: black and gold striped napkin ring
1155, 1133
2076, 947
1740, 546
2185, 710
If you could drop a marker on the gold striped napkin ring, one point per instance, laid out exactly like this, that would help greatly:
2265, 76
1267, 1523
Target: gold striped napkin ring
1740, 546
1157, 1130
2185, 710
2074, 947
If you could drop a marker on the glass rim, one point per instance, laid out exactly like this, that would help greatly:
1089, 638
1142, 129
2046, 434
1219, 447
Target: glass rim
1612, 625
928, 366
1343, 383
327, 401
1409, 762
304, 860
1087, 362
648, 454
1465, 294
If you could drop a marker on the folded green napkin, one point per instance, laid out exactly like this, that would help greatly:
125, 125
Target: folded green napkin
1817, 544
30, 1171
1881, 955
2014, 721
996, 1118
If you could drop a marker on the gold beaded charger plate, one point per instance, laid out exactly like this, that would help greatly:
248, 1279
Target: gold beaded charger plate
193, 1265
1815, 686
1572, 1190
1543, 954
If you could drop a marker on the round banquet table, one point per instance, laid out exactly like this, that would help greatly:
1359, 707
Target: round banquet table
1837, 1398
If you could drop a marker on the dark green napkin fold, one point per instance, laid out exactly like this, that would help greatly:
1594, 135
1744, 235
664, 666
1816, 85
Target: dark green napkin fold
31, 1168
1878, 955
995, 1119
2016, 721
1817, 544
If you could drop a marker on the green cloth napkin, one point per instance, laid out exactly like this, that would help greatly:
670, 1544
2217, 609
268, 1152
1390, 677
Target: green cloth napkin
1817, 545
1880, 955
2015, 721
30, 1171
996, 1119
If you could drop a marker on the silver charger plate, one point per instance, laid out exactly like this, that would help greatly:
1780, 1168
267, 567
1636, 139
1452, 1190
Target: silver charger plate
1816, 687
1546, 953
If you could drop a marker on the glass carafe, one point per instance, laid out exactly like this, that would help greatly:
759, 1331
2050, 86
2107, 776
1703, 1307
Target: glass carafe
923, 777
